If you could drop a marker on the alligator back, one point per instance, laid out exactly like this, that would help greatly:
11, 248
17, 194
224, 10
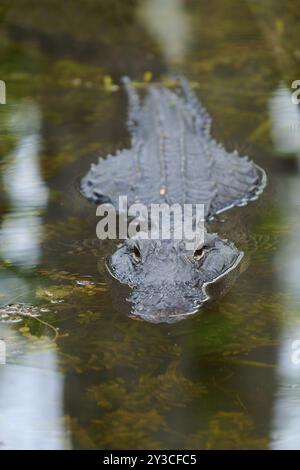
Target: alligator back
173, 158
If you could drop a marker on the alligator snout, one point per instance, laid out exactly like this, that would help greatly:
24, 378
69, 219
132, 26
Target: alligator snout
166, 303
168, 281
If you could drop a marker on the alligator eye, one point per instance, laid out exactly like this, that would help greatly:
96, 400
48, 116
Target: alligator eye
198, 253
136, 254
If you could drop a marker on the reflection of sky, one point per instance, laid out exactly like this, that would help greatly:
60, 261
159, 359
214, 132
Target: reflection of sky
286, 423
31, 404
31, 393
20, 231
169, 24
285, 118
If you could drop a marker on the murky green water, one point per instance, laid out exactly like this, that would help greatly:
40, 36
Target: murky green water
80, 373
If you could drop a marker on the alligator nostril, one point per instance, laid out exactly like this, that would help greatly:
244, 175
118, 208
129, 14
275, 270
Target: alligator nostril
99, 198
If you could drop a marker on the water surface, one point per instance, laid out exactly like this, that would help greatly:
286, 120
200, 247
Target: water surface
80, 372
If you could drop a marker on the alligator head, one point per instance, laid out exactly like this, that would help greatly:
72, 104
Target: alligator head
168, 280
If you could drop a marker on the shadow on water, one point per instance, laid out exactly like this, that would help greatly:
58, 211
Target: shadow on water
91, 376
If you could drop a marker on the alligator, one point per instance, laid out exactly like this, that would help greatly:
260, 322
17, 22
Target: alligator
172, 159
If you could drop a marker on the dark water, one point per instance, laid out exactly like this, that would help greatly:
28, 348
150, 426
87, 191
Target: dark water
80, 373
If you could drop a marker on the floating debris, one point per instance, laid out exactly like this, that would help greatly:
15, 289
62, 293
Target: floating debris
58, 301
14, 313
85, 283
